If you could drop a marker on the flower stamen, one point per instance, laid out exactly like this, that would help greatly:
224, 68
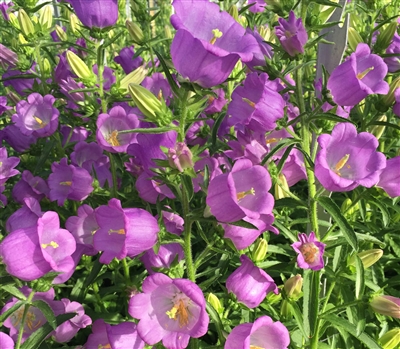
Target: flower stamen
51, 243
217, 34
309, 252
362, 75
179, 312
341, 163
113, 139
117, 231
241, 195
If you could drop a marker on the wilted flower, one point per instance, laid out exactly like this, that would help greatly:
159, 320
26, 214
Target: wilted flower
250, 284
310, 252
386, 305
259, 334
174, 310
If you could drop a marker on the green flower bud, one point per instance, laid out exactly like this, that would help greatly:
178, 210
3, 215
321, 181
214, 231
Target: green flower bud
368, 257
14, 20
135, 32
293, 286
167, 32
354, 38
286, 310
214, 301
385, 37
134, 77
259, 251
388, 99
46, 17
62, 35
281, 189
378, 130
233, 11
46, 67
74, 23
25, 23
391, 339
79, 67
347, 207
22, 39
386, 305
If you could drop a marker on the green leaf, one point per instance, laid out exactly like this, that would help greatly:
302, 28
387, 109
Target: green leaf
291, 203
284, 143
330, 117
47, 312
216, 321
187, 182
327, 3
8, 312
347, 326
14, 291
215, 128
360, 277
383, 209
285, 231
244, 224
310, 301
171, 81
36, 338
329, 205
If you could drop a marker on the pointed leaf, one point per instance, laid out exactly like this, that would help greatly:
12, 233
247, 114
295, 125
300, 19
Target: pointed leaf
14, 291
47, 312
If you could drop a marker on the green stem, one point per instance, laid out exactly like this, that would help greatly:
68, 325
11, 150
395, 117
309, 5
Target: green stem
187, 247
126, 272
22, 325
114, 175
149, 130
100, 80
41, 67
182, 121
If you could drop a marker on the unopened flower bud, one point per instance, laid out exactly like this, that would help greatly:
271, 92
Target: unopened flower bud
385, 37
167, 32
62, 35
378, 130
368, 257
13, 97
22, 39
388, 99
180, 157
391, 339
79, 67
281, 189
25, 23
293, 286
386, 305
259, 251
46, 67
207, 212
46, 17
135, 32
14, 21
354, 38
8, 56
347, 207
214, 301
134, 77
233, 11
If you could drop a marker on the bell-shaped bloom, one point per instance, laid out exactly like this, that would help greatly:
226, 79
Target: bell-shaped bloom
7, 165
69, 182
255, 104
108, 125
250, 284
37, 115
200, 166
108, 76
171, 310
294, 168
17, 140
30, 253
347, 159
96, 13
389, 178
72, 135
105, 336
258, 5
215, 104
360, 75
25, 217
3, 198
166, 254
396, 106
30, 187
7, 56
152, 190
5, 340
243, 192
310, 252
68, 329
158, 85
264, 50
4, 9
127, 60
20, 85
123, 231
173, 222
386, 305
393, 63
3, 105
291, 34
208, 43
263, 333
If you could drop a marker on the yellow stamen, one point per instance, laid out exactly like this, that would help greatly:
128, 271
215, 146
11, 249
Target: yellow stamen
272, 140
113, 139
241, 195
217, 34
160, 95
94, 231
341, 164
30, 321
288, 34
362, 75
210, 100
107, 346
249, 102
180, 312
309, 252
66, 183
51, 243
118, 231
255, 347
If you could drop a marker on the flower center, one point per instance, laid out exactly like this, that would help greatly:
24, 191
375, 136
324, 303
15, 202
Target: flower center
341, 163
272, 140
51, 243
107, 346
362, 75
217, 34
249, 102
113, 139
117, 231
255, 347
179, 312
39, 121
69, 183
30, 320
241, 195
309, 251
289, 34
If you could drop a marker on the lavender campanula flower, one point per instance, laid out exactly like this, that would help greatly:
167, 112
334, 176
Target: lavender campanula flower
7, 165
360, 75
158, 85
256, 335
208, 43
174, 223
150, 190
310, 252
389, 178
255, 104
258, 5
347, 159
16, 139
3, 105
166, 254
5, 340
30, 186
294, 168
96, 13
70, 84
396, 106
108, 125
123, 335
123, 231
243, 192
19, 85
292, 34
3, 198
30, 253
127, 59
200, 166
250, 284
69, 182
8, 57
393, 63
173, 308
37, 115
264, 50
4, 6
25, 217
215, 104
71, 135
108, 76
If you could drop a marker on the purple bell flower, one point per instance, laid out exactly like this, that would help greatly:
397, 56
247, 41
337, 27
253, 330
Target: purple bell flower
108, 76
360, 75
250, 284
389, 178
7, 165
37, 116
180, 157
174, 223
69, 182
72, 135
96, 13
127, 61
150, 190
393, 63
25, 217
123, 231
8, 57
105, 336
258, 5
174, 310
259, 334
4, 6
5, 340
208, 43
19, 85
243, 192
292, 34
215, 104
264, 49
163, 259
347, 159
3, 105
17, 140
310, 252
3, 198
30, 187
158, 85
